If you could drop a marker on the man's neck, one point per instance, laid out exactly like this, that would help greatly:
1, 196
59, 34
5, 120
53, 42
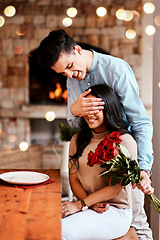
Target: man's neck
89, 58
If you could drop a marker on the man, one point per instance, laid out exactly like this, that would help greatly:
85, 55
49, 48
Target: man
85, 68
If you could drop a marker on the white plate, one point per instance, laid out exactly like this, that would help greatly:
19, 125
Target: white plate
24, 177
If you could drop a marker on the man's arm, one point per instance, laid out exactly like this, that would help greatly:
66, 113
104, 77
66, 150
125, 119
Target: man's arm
126, 89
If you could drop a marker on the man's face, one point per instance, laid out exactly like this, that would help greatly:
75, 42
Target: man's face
73, 65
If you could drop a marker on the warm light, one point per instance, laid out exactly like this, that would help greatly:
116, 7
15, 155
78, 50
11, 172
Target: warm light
50, 116
67, 21
23, 146
19, 31
72, 12
51, 95
150, 30
157, 20
159, 84
135, 13
127, 15
58, 90
65, 95
18, 50
2, 21
10, 11
149, 7
119, 14
12, 138
130, 34
0, 131
101, 11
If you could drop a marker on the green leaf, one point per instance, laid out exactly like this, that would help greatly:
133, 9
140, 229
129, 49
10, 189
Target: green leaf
115, 180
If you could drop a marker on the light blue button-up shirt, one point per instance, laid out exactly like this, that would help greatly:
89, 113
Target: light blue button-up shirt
116, 73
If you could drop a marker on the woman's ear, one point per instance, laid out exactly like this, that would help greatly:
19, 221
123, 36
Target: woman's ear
78, 49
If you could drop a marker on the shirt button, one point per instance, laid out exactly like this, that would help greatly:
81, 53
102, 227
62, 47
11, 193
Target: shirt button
89, 84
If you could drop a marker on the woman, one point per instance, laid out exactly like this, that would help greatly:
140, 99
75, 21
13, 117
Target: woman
101, 211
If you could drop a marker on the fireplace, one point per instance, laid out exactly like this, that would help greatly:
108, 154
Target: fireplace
46, 86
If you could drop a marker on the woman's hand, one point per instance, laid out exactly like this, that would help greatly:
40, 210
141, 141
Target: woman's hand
69, 208
100, 207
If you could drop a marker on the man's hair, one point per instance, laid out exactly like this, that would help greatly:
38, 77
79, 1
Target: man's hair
52, 46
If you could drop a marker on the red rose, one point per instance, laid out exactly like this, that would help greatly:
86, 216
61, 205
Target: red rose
116, 136
112, 150
93, 158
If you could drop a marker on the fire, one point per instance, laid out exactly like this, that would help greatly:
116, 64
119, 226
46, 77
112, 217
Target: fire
57, 94
65, 95
51, 95
58, 90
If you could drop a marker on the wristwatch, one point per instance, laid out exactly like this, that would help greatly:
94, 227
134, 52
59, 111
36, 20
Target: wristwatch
85, 207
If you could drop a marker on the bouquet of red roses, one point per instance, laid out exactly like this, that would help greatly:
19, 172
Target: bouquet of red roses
119, 166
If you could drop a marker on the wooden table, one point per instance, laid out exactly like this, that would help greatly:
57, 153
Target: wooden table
33, 213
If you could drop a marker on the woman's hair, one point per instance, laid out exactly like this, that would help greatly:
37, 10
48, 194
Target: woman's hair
112, 116
53, 45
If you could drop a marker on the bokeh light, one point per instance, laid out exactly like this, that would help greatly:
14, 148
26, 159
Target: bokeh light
12, 138
23, 146
101, 11
2, 21
18, 50
50, 116
119, 14
149, 7
72, 12
67, 22
159, 84
157, 20
20, 31
130, 34
135, 13
10, 11
150, 30
127, 15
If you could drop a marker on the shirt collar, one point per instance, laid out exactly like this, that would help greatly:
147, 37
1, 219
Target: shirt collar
94, 61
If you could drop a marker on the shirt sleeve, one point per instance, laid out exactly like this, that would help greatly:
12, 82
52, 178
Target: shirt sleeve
140, 124
73, 121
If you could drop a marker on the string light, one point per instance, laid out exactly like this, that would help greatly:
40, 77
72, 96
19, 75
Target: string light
148, 7
10, 11
130, 34
23, 146
72, 12
67, 22
50, 116
2, 21
101, 11
150, 30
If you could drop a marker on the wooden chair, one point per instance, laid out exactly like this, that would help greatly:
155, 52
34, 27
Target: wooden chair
32, 158
130, 235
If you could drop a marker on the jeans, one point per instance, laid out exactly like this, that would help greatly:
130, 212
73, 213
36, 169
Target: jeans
90, 225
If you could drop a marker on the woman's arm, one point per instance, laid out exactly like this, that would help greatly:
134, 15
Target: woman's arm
77, 188
94, 199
